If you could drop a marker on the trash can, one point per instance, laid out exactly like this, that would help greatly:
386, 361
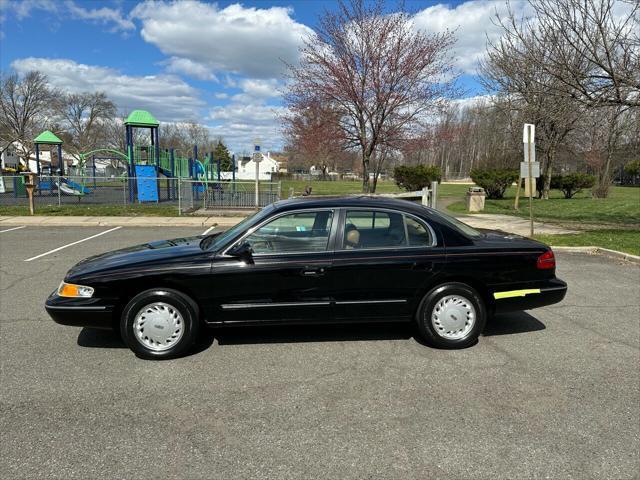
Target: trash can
475, 199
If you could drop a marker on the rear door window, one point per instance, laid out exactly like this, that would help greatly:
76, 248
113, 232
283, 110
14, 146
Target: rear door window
373, 229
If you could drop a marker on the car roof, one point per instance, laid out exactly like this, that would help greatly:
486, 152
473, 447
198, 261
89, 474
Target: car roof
356, 201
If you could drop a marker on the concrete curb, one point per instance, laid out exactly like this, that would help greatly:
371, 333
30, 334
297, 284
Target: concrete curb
627, 257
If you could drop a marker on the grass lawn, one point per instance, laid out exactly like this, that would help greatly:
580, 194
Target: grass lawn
338, 187
346, 187
623, 240
621, 207
94, 210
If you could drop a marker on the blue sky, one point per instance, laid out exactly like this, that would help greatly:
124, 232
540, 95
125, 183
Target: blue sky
219, 64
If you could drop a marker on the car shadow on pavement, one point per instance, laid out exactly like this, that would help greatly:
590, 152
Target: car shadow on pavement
94, 338
513, 322
504, 324
313, 333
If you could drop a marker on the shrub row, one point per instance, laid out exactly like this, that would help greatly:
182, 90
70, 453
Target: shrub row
496, 181
416, 177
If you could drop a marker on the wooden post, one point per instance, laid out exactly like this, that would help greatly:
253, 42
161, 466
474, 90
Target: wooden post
515, 206
30, 185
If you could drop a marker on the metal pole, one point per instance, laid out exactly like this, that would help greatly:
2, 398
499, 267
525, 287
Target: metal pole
257, 184
37, 160
60, 160
530, 182
179, 199
59, 194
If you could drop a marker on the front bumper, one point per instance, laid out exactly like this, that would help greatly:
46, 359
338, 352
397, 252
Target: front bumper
530, 296
81, 312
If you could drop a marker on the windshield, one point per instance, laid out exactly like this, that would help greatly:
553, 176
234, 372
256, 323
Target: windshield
216, 241
463, 227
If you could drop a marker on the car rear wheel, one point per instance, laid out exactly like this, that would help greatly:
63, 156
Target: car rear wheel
159, 323
451, 316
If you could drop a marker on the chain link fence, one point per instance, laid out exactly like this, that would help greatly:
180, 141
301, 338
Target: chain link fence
185, 195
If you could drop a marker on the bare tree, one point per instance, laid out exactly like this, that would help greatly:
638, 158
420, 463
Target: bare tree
24, 103
512, 69
592, 46
605, 130
85, 117
376, 70
313, 135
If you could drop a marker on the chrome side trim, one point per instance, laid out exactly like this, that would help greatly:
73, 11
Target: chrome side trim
62, 307
356, 302
241, 306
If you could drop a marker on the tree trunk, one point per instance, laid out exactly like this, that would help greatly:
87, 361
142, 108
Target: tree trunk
547, 174
365, 172
602, 189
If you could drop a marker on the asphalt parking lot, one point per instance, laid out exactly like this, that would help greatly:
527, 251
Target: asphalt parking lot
553, 393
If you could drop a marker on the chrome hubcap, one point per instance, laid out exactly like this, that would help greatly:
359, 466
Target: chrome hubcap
453, 317
158, 326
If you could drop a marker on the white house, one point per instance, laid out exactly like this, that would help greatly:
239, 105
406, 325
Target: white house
246, 168
10, 158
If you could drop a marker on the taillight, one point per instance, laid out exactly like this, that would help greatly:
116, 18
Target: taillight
546, 261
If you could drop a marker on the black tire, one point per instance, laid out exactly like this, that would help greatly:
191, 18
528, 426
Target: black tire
426, 310
182, 304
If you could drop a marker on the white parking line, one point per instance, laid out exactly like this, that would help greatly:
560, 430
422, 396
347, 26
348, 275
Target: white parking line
208, 230
72, 244
12, 229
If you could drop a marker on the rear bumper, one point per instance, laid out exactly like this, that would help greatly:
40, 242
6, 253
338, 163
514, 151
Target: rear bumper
533, 296
81, 312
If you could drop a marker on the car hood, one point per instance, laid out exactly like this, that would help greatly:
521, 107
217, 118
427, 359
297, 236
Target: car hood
158, 252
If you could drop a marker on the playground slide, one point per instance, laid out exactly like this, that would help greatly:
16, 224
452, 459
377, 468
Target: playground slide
71, 188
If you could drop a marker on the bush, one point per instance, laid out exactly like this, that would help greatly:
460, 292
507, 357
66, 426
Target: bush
572, 183
632, 168
495, 181
416, 177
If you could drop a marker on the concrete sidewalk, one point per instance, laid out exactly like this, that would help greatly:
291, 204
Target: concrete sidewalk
511, 224
73, 221
506, 223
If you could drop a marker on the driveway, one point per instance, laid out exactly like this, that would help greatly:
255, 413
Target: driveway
552, 393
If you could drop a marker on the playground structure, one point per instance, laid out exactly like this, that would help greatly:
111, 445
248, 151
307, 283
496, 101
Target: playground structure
151, 171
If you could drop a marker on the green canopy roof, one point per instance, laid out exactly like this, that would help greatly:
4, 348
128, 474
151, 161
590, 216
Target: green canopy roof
141, 118
48, 138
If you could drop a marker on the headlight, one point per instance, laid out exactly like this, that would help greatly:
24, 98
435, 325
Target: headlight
71, 290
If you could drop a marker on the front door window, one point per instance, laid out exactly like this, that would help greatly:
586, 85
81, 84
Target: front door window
302, 232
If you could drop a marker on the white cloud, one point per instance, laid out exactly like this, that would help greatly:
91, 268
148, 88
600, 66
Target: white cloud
472, 22
104, 15
190, 68
23, 8
240, 124
241, 40
167, 97
112, 17
260, 88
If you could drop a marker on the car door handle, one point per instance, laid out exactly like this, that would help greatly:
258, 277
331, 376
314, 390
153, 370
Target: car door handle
313, 272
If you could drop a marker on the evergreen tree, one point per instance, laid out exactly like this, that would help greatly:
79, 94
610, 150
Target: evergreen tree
222, 154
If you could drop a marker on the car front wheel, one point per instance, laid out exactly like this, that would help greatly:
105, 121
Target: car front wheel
452, 315
159, 323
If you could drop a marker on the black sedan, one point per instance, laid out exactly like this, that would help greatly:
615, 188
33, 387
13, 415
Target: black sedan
312, 260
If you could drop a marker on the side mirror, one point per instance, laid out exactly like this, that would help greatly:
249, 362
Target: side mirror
243, 251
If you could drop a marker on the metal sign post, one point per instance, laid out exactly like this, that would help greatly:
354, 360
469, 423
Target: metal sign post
257, 157
530, 132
